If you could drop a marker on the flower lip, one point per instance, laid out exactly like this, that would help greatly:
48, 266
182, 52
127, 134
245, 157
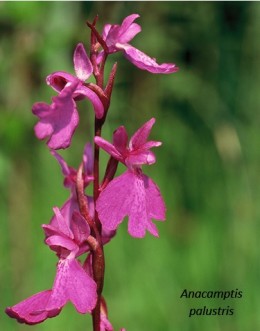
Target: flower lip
135, 195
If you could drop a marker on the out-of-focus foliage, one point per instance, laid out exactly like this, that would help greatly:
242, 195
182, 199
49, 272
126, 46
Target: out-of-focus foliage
208, 167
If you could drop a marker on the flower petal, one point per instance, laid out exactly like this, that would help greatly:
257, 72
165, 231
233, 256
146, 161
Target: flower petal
114, 203
82, 64
93, 97
61, 224
147, 204
128, 20
154, 200
58, 121
44, 128
141, 135
80, 228
145, 62
66, 211
142, 157
106, 30
88, 160
113, 34
56, 242
120, 139
32, 310
59, 79
73, 284
108, 147
49, 230
133, 195
128, 30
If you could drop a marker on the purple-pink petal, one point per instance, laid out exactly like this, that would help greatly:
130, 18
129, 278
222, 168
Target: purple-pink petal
141, 135
56, 242
145, 62
133, 195
66, 210
108, 147
132, 31
93, 97
80, 228
106, 30
120, 139
82, 64
61, 224
73, 284
50, 230
150, 144
139, 158
32, 310
59, 79
58, 121
88, 160
154, 200
127, 22
128, 30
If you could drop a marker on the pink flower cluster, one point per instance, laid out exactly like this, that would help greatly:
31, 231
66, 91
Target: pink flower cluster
83, 224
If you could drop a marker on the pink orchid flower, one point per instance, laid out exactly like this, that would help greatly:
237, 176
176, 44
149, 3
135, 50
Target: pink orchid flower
117, 38
72, 283
59, 120
83, 70
132, 194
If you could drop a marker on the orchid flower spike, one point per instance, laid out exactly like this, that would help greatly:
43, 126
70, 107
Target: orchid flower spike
117, 38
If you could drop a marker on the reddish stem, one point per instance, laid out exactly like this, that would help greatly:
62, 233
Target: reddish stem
95, 243
98, 259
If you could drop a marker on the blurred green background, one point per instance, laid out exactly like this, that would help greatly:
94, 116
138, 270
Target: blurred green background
207, 168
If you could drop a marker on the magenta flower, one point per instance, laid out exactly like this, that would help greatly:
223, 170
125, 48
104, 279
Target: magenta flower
117, 38
59, 120
72, 283
132, 194
83, 69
